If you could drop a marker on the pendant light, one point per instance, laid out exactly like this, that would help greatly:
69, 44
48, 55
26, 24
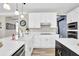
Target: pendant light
6, 6
22, 16
16, 11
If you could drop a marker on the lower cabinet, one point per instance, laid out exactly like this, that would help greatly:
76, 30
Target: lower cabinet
20, 51
44, 43
61, 50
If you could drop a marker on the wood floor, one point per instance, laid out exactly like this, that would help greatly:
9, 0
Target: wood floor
43, 52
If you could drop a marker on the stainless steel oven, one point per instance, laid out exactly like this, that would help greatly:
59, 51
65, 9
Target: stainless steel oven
72, 26
72, 34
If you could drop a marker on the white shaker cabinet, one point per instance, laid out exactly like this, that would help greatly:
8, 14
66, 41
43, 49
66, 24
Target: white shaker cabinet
49, 18
54, 20
45, 41
73, 16
34, 20
46, 17
69, 18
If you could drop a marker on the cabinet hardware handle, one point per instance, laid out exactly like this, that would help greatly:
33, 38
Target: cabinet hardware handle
59, 52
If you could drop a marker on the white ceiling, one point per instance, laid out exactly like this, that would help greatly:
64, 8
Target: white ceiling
60, 8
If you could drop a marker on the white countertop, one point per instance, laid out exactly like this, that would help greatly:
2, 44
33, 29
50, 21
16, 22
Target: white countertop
70, 43
10, 47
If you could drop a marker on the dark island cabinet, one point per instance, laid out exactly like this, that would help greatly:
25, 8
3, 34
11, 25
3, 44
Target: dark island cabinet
20, 51
61, 50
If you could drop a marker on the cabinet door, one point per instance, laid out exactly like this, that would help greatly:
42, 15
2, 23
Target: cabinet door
69, 18
72, 16
34, 20
65, 51
49, 18
58, 48
54, 20
46, 17
42, 16
47, 43
44, 43
76, 14
36, 43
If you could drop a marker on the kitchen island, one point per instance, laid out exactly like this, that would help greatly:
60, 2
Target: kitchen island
67, 47
12, 48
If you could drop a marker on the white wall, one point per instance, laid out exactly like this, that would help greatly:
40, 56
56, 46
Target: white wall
10, 32
2, 30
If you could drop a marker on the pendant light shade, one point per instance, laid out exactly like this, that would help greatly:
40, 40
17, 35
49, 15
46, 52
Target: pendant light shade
22, 16
16, 12
6, 6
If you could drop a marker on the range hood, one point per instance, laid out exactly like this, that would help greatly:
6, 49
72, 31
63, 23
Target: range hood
45, 24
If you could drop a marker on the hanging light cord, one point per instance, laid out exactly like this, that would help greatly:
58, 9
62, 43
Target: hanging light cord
17, 6
22, 9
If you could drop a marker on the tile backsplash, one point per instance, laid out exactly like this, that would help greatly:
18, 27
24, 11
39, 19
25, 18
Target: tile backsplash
43, 30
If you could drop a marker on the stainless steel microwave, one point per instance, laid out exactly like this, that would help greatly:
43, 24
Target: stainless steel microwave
73, 26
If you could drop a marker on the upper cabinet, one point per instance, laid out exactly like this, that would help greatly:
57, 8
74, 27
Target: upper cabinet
53, 21
46, 17
49, 18
73, 16
35, 19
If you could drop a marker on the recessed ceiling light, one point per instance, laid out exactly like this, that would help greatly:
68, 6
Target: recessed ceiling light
6, 6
